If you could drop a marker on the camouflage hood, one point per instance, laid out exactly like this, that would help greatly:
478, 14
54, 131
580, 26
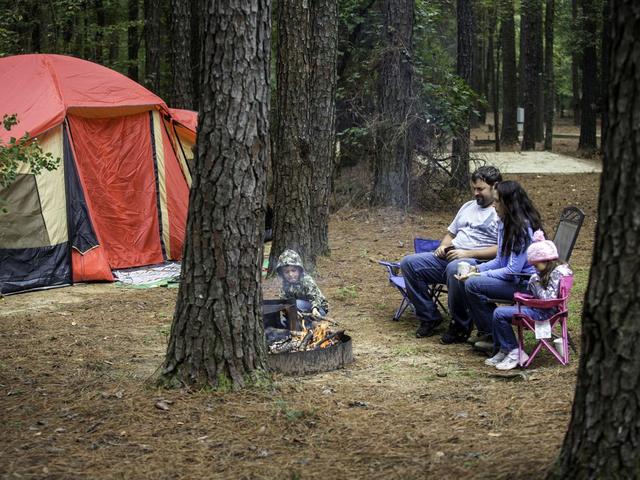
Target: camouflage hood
290, 258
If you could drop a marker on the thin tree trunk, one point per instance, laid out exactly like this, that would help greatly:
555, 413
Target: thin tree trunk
531, 18
588, 142
493, 69
217, 338
606, 64
604, 432
395, 135
99, 33
549, 87
322, 95
133, 40
575, 65
182, 91
460, 147
293, 163
539, 59
152, 10
509, 77
197, 11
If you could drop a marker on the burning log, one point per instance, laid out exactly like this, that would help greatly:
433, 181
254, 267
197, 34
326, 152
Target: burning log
305, 341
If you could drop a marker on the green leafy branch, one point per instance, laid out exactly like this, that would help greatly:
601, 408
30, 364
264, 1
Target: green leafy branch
23, 150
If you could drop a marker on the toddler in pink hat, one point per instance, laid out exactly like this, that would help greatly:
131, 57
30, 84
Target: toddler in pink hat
544, 285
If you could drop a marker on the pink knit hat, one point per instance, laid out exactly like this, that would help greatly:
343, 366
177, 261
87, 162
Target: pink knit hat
541, 250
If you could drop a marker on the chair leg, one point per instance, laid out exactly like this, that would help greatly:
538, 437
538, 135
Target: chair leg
403, 306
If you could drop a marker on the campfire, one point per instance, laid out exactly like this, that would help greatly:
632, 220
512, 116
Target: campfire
287, 330
299, 344
318, 335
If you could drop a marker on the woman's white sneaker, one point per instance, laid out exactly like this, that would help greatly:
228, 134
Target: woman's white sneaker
512, 360
496, 359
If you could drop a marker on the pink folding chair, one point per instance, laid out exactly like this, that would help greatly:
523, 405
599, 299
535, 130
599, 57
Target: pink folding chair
558, 323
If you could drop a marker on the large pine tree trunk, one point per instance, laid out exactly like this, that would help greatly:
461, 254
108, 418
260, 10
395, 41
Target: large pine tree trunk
293, 162
464, 68
395, 132
197, 48
604, 432
549, 89
152, 26
322, 96
182, 87
509, 76
531, 20
539, 61
133, 40
217, 335
588, 142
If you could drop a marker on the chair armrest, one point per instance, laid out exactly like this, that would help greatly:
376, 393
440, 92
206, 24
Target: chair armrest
392, 267
530, 301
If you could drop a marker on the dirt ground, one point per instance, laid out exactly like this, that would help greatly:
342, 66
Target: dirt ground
75, 401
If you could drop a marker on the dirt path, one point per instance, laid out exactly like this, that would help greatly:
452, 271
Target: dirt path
74, 402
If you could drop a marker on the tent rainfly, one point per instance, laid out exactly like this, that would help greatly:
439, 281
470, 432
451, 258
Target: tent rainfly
120, 195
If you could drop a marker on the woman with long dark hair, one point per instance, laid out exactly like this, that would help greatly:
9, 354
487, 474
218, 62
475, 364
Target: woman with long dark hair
498, 278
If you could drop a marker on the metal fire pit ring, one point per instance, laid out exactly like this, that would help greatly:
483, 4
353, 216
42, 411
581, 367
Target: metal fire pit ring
312, 361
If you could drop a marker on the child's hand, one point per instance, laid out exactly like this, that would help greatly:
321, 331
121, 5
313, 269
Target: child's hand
463, 278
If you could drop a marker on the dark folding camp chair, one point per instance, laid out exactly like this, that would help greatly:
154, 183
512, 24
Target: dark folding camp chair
420, 245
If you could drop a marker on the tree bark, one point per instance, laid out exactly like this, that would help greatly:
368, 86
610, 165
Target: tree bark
549, 88
152, 10
217, 338
604, 432
460, 147
395, 131
293, 162
182, 91
493, 72
588, 143
509, 77
133, 40
531, 21
322, 95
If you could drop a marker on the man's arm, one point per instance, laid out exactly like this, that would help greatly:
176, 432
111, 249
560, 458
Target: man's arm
446, 242
486, 253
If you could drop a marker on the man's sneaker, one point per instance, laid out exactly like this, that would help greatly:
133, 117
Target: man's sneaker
479, 337
512, 360
453, 335
427, 329
496, 359
485, 346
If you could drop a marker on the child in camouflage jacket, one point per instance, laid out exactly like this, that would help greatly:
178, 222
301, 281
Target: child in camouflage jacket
297, 284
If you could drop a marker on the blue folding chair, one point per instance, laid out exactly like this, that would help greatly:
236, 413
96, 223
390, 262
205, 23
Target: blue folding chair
420, 245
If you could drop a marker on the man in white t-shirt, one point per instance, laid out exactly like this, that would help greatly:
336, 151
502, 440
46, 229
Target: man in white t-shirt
472, 236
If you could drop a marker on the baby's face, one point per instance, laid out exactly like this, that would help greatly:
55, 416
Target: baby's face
540, 266
291, 274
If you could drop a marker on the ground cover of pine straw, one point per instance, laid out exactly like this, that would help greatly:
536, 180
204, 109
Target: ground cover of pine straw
75, 403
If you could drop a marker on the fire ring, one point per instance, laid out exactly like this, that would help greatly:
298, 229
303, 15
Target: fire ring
312, 361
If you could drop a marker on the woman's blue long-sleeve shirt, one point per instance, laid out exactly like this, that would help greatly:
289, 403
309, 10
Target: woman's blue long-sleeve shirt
503, 267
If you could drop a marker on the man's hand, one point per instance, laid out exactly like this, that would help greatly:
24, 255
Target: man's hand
456, 254
315, 313
439, 252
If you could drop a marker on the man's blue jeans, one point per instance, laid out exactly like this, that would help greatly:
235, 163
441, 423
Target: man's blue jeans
479, 289
423, 269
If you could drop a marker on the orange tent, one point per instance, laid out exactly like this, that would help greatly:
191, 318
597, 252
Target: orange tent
120, 195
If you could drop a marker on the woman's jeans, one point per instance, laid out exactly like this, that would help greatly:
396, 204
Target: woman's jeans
479, 289
503, 337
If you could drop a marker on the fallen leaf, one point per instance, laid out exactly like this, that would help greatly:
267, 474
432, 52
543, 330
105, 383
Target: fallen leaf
162, 405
